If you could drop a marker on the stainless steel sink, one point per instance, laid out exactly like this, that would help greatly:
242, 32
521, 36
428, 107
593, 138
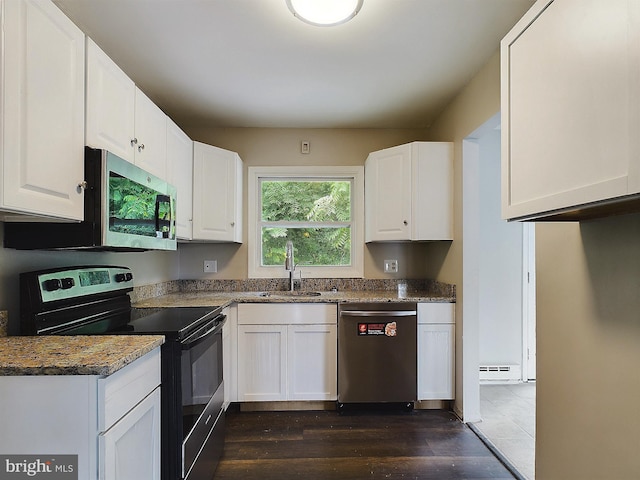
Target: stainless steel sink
287, 293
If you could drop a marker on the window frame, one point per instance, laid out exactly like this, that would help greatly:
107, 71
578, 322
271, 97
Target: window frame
355, 173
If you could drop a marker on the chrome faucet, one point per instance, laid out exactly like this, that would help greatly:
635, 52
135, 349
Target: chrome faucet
289, 264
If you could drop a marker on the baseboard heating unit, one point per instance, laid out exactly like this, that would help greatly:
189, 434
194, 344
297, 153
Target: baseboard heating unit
505, 373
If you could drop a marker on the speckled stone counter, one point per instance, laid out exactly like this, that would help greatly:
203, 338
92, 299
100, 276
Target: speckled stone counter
73, 355
223, 299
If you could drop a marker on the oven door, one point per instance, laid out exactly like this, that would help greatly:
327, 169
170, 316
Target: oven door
202, 400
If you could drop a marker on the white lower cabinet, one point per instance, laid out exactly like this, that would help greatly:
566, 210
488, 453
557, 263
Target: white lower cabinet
262, 362
287, 352
312, 362
436, 351
130, 448
112, 423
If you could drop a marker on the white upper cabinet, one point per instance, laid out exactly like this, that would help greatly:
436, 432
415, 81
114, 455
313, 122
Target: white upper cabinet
571, 110
150, 141
42, 102
180, 174
121, 118
110, 105
217, 194
409, 193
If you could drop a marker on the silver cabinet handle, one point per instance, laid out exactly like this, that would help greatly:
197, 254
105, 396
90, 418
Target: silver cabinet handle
83, 185
141, 147
134, 141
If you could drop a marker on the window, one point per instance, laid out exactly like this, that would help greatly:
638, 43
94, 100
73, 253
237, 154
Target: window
319, 209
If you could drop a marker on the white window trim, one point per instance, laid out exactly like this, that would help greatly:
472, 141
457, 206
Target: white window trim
356, 270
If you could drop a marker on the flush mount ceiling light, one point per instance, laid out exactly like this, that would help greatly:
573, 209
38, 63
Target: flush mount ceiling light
325, 13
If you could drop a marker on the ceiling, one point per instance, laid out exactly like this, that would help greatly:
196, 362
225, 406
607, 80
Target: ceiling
251, 63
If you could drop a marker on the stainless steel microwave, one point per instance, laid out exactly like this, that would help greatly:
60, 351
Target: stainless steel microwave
125, 208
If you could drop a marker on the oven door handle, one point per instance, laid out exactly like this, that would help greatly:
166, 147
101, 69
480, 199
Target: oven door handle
210, 328
377, 313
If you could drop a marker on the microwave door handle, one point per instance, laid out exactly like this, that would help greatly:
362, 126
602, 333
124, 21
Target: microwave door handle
160, 199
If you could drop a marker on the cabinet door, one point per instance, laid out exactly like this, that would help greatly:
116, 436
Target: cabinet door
436, 344
217, 194
388, 194
432, 188
262, 362
110, 105
180, 174
312, 362
570, 110
43, 111
131, 448
151, 136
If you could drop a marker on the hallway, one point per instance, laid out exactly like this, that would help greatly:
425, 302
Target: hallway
509, 422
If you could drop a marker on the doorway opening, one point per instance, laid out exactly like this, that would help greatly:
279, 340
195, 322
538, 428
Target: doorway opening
499, 301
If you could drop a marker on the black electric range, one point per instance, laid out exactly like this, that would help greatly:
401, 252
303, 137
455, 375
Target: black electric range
94, 300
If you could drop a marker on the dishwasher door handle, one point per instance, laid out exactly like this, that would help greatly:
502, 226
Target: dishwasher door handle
378, 313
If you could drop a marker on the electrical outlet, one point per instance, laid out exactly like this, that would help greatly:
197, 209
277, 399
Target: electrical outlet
391, 266
210, 266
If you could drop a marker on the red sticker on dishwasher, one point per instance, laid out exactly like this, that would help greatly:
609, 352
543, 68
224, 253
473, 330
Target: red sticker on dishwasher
388, 329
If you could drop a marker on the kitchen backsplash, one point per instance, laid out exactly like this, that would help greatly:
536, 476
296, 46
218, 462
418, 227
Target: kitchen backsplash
281, 284
4, 318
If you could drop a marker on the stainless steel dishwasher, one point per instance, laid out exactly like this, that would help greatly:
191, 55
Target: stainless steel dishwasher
377, 353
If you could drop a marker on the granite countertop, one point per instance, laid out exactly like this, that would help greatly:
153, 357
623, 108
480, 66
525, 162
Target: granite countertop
224, 299
73, 355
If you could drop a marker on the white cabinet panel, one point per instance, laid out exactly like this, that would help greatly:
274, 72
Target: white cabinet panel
570, 110
151, 136
217, 194
121, 118
287, 313
293, 359
110, 105
436, 351
436, 345
131, 448
42, 111
262, 362
313, 362
409, 193
180, 174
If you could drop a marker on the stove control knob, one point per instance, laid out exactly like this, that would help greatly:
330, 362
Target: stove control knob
123, 277
67, 283
52, 284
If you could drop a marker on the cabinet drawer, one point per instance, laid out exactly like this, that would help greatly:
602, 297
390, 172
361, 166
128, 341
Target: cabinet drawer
436, 313
120, 392
287, 313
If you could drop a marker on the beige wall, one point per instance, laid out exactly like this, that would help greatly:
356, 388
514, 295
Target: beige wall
277, 147
588, 420
478, 102
588, 320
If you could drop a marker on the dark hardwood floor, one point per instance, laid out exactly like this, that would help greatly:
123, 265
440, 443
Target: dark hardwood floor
424, 444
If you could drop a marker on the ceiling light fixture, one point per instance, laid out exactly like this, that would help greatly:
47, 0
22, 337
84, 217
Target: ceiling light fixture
325, 13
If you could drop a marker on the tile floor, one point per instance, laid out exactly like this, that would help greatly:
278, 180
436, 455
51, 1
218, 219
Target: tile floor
509, 423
